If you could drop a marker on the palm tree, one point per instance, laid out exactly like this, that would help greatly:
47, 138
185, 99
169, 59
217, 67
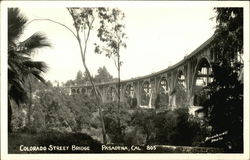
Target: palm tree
20, 63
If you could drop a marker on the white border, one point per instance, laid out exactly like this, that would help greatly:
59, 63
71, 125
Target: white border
151, 4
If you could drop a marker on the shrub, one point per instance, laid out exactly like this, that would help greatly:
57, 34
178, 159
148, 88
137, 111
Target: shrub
168, 127
115, 124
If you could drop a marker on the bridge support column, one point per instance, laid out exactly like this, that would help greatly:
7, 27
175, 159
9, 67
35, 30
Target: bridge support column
154, 92
189, 83
172, 96
122, 98
137, 89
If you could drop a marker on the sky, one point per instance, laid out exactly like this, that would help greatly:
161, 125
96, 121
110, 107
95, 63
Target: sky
158, 37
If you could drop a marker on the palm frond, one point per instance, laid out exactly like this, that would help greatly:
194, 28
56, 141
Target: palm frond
16, 89
34, 68
16, 24
38, 65
39, 77
20, 63
36, 41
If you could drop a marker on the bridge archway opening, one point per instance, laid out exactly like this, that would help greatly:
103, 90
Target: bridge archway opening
78, 90
73, 90
181, 79
180, 90
162, 97
84, 90
203, 76
146, 96
130, 96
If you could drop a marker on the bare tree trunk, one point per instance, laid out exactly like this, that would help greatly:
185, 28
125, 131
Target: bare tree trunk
119, 92
30, 104
119, 84
99, 101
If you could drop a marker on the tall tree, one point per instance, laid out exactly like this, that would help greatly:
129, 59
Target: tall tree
112, 36
83, 20
20, 63
103, 75
79, 78
226, 112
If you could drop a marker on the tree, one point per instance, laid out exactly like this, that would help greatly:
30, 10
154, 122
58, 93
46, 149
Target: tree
103, 75
79, 78
32, 85
20, 64
112, 36
64, 111
83, 19
226, 112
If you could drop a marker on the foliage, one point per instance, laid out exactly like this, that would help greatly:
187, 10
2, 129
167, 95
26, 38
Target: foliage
181, 95
226, 113
111, 33
143, 126
116, 130
79, 78
143, 120
161, 101
54, 109
175, 127
132, 102
229, 34
20, 63
103, 75
64, 111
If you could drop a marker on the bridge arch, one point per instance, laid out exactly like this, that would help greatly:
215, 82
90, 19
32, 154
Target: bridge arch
181, 78
83, 90
201, 78
130, 95
73, 90
146, 94
78, 90
111, 94
162, 97
179, 93
129, 90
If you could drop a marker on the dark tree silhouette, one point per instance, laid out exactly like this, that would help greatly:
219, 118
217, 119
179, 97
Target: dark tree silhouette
20, 63
224, 107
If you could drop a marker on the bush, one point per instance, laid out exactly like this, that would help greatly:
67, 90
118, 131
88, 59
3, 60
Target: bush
175, 127
115, 124
149, 126
143, 122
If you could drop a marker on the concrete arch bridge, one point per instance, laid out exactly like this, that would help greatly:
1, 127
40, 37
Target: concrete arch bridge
175, 86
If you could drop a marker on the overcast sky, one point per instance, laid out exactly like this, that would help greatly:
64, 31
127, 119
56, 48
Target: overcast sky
157, 38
